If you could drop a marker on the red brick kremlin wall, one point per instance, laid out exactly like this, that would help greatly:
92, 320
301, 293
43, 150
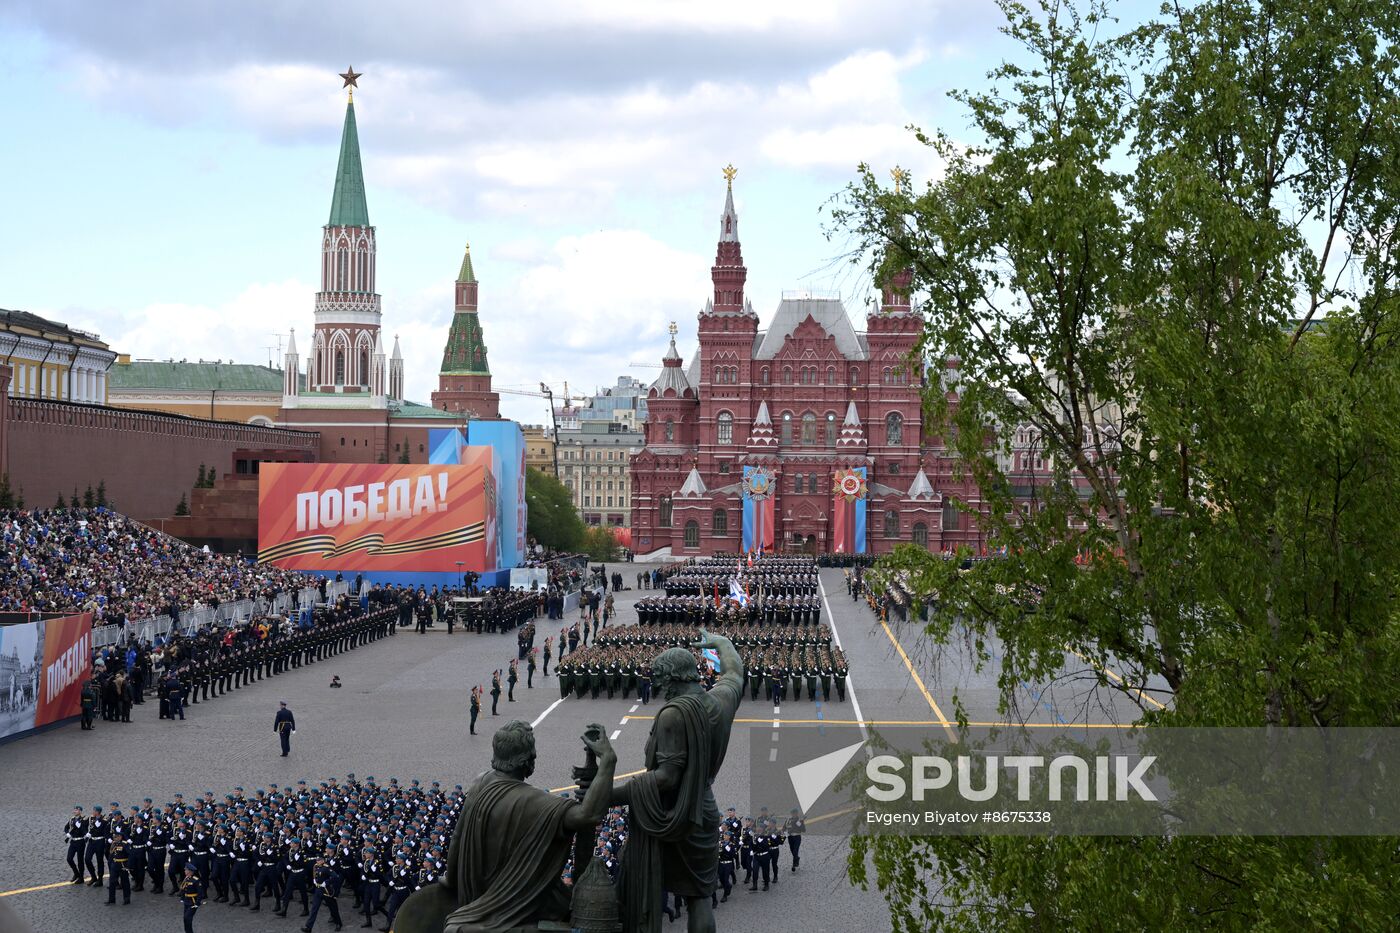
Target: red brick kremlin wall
147, 459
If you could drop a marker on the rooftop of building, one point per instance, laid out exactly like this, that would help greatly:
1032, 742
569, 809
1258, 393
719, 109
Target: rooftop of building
201, 375
25, 322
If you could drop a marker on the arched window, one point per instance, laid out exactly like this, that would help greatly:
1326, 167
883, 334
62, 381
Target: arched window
809, 429
787, 375
726, 427
812, 482
831, 429
885, 375
720, 523
692, 534
894, 429
951, 518
855, 375
797, 486
670, 431
364, 367
763, 375
787, 427
891, 524
664, 519
340, 367
921, 534
342, 268
831, 375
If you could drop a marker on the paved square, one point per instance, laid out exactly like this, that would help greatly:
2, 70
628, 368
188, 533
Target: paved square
403, 713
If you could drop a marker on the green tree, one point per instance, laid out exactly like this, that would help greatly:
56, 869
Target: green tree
19, 499
199, 481
1166, 257
102, 493
403, 457
60, 504
552, 519
182, 508
599, 543
7, 496
89, 498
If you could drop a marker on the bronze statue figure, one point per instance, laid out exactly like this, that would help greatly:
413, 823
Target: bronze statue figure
674, 820
510, 844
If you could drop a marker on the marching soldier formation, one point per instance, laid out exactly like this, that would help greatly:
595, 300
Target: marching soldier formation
373, 844
779, 661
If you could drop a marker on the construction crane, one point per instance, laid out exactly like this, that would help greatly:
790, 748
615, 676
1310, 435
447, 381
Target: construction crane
546, 392
644, 365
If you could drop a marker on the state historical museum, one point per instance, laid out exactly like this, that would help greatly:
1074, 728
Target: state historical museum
806, 435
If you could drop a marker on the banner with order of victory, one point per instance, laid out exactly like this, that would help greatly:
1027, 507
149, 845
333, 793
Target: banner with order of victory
848, 501
759, 488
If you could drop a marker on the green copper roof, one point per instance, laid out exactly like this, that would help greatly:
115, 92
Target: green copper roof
466, 349
204, 377
348, 207
466, 274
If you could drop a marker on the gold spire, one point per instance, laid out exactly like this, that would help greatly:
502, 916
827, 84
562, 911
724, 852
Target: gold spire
729, 172
901, 179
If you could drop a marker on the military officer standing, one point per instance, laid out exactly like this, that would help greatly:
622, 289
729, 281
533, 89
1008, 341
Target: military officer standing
191, 896
794, 828
285, 726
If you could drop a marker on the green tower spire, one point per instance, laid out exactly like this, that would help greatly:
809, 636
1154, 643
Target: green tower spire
466, 347
465, 275
348, 207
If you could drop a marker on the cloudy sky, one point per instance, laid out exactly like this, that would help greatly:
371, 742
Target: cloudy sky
169, 162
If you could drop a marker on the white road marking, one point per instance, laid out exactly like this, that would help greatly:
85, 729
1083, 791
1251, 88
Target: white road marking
546, 713
775, 736
772, 754
622, 721
615, 734
634, 707
836, 637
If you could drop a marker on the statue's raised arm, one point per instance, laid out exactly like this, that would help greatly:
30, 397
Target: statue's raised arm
731, 668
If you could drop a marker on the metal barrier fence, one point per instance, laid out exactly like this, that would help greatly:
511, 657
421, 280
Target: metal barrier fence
228, 613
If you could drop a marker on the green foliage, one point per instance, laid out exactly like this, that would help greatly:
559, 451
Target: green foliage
199, 482
101, 493
552, 519
7, 496
182, 508
599, 543
403, 457
60, 504
89, 498
1119, 260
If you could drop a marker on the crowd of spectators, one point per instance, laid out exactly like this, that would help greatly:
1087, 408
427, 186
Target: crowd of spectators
80, 560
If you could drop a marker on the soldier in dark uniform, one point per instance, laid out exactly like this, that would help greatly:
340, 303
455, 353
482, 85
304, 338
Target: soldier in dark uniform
157, 845
728, 860
191, 896
298, 869
746, 840
370, 876
512, 678
138, 844
530, 670
759, 847
327, 883
266, 878
548, 653
96, 847
495, 690
475, 707
794, 828
400, 886
243, 852
75, 834
117, 856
